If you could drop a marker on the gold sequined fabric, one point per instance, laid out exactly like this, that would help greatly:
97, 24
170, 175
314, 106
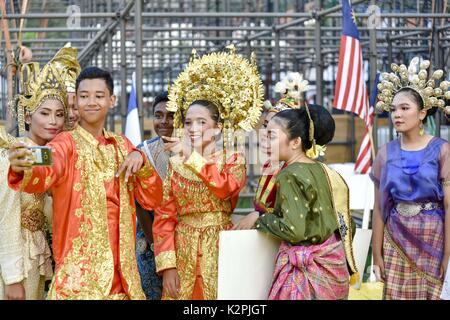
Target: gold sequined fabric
201, 214
33, 220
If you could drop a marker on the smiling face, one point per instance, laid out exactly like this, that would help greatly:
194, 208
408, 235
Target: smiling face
163, 120
200, 127
94, 101
405, 113
46, 122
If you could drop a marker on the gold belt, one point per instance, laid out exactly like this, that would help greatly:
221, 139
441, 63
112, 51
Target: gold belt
206, 219
413, 209
33, 220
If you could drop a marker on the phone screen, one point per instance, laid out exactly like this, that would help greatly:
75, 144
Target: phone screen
41, 156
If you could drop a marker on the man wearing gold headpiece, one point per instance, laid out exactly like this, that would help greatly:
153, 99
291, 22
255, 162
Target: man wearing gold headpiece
25, 257
214, 95
411, 229
95, 178
66, 61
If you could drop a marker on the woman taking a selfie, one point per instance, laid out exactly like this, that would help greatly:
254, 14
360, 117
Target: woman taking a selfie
25, 256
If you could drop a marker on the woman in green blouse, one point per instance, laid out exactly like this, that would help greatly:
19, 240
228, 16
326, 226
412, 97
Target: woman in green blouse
311, 214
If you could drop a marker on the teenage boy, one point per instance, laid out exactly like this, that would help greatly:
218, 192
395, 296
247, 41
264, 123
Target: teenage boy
95, 178
159, 157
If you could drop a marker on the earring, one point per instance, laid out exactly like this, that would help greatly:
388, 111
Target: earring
422, 130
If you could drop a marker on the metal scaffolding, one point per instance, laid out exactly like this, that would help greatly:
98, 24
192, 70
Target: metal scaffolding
155, 38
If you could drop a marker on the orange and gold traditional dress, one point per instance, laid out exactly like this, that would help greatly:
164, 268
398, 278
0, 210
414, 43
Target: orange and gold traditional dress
198, 201
94, 220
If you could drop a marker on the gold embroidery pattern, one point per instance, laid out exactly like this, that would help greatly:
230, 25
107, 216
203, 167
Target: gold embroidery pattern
195, 197
146, 171
197, 256
238, 171
78, 212
446, 183
127, 229
202, 215
27, 174
341, 207
77, 187
88, 268
166, 260
196, 162
33, 220
166, 184
47, 181
144, 185
187, 172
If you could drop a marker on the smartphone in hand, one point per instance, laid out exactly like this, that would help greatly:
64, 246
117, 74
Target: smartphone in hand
41, 155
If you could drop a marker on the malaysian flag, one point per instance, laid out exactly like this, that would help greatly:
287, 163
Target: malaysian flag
351, 92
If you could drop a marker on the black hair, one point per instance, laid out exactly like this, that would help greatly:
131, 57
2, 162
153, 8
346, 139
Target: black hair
212, 108
161, 97
415, 96
96, 73
296, 123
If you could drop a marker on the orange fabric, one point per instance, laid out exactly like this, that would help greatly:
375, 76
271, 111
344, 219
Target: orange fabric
222, 183
195, 208
64, 178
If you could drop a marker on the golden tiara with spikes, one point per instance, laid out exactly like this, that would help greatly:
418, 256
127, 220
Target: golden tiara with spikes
66, 61
227, 80
38, 86
414, 77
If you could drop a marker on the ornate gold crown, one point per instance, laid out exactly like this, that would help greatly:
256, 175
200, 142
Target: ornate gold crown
66, 61
38, 86
225, 79
414, 77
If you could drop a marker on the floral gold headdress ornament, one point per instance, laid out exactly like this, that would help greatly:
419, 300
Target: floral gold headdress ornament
227, 80
416, 78
291, 90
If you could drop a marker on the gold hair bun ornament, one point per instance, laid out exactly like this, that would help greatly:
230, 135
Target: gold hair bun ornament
227, 80
290, 89
36, 87
415, 77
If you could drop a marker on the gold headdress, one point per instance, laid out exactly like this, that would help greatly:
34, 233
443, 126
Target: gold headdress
414, 77
65, 60
38, 86
291, 89
227, 80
